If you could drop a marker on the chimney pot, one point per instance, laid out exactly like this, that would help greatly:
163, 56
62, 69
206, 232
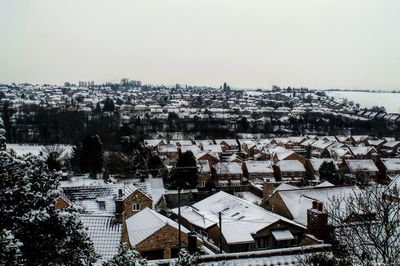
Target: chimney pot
314, 204
320, 206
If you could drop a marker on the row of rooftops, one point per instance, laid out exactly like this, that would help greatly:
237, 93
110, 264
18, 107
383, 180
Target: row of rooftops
146, 99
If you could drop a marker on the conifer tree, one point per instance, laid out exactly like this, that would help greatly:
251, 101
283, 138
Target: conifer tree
31, 227
91, 155
126, 257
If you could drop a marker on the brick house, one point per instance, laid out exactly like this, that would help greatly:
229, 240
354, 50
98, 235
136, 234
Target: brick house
377, 144
294, 203
228, 144
391, 147
389, 167
154, 144
170, 151
155, 236
362, 170
204, 173
288, 155
257, 170
62, 202
239, 231
357, 139
314, 164
228, 173
364, 152
208, 156
289, 170
133, 200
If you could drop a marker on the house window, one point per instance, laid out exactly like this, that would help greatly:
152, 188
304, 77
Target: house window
135, 207
102, 205
203, 183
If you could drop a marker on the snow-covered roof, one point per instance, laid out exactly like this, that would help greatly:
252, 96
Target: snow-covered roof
298, 201
203, 153
193, 148
97, 197
230, 142
228, 168
146, 222
240, 218
168, 148
259, 166
154, 142
284, 186
321, 144
360, 138
181, 142
325, 184
277, 257
391, 164
204, 166
376, 142
362, 150
283, 154
395, 183
212, 148
290, 166
366, 165
391, 144
203, 142
105, 234
317, 162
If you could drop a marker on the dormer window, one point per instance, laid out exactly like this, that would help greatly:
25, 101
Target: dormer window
135, 207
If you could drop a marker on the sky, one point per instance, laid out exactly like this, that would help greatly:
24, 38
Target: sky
345, 44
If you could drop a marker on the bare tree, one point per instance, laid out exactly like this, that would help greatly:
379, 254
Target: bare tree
367, 226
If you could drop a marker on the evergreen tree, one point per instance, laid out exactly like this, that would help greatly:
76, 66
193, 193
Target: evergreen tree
186, 259
328, 172
97, 109
31, 226
126, 257
308, 152
91, 157
76, 157
184, 175
10, 253
109, 105
2, 135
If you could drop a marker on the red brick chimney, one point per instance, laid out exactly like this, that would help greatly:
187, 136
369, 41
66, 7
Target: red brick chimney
119, 207
317, 221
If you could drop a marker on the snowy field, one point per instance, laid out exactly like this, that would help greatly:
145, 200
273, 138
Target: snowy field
391, 101
21, 149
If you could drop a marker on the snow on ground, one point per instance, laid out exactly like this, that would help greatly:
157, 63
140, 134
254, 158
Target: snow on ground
22, 149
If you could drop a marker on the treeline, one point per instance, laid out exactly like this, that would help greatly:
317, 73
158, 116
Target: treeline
70, 126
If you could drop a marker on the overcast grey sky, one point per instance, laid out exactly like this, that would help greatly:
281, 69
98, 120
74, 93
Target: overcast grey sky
248, 43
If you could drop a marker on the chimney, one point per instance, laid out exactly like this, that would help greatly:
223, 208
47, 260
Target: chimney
314, 204
192, 242
119, 207
317, 221
268, 189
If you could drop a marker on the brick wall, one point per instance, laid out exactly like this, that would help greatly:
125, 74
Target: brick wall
61, 203
136, 197
165, 238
